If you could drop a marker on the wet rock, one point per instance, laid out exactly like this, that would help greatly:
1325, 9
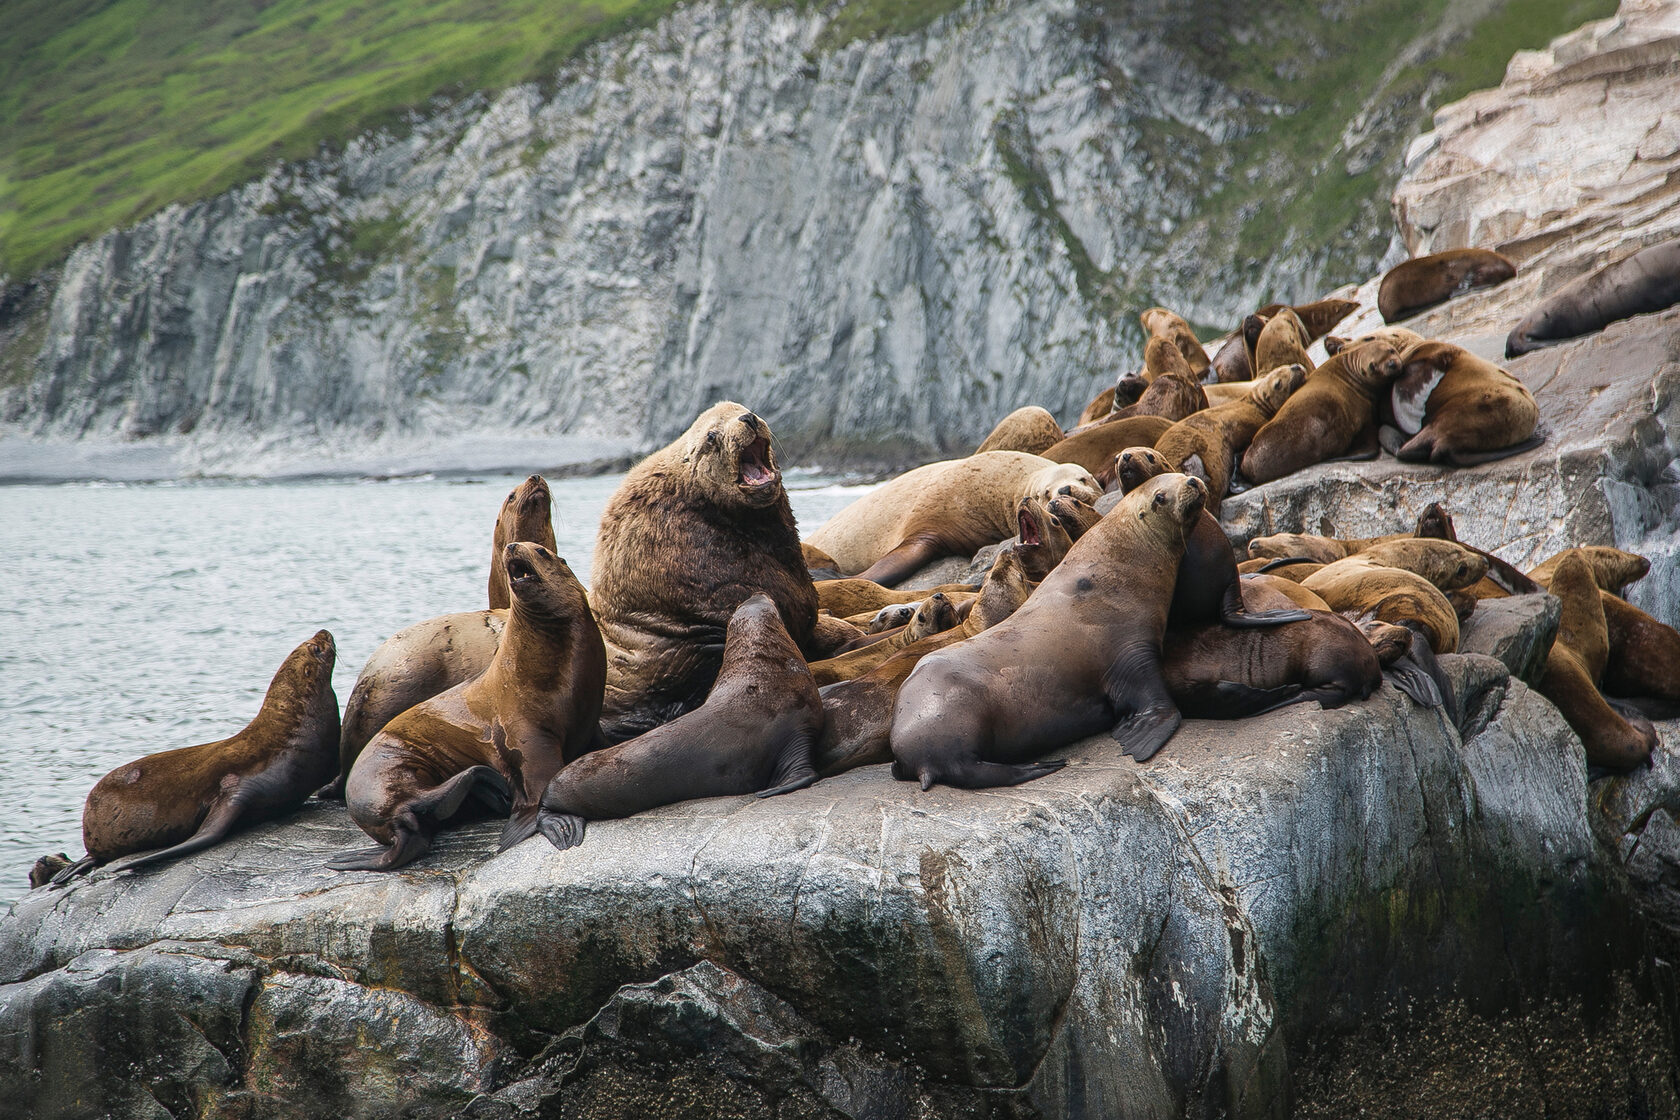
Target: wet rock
1517, 630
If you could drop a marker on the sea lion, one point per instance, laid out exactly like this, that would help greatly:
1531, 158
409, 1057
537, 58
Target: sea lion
1072, 516
1459, 409
1401, 338
1162, 355
1272, 588
690, 533
1319, 317
893, 616
851, 597
754, 734
1325, 416
1644, 654
1081, 655
1423, 282
952, 508
1447, 564
934, 615
1214, 672
1030, 429
185, 800
1358, 587
524, 516
543, 689
1324, 550
1158, 322
1281, 341
1645, 282
1576, 664
1612, 569
1095, 448
1208, 443
819, 563
1172, 393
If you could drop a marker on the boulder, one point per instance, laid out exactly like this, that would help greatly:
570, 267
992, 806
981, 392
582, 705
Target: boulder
1518, 631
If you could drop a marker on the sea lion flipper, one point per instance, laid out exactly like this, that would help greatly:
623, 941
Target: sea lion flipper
1236, 700
332, 791
521, 826
223, 814
973, 773
1145, 732
1232, 614
80, 867
794, 767
409, 847
412, 825
564, 830
904, 561
1409, 678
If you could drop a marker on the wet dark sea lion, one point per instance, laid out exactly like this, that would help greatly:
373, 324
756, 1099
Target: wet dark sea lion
543, 689
185, 800
1215, 672
690, 533
1083, 654
754, 734
1423, 282
1645, 282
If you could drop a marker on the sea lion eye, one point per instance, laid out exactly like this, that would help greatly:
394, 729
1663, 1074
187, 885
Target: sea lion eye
1160, 499
711, 439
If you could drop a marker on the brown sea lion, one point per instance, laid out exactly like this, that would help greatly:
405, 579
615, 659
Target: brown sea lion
1081, 655
852, 597
1646, 282
952, 508
1173, 393
1030, 429
1208, 443
1576, 664
934, 615
690, 533
1401, 338
1158, 322
1612, 569
890, 617
754, 734
1281, 593
1095, 448
1447, 564
1357, 587
1319, 317
1282, 341
1458, 408
1326, 416
524, 516
1073, 516
1214, 672
1503, 578
543, 688
1162, 355
1644, 655
185, 800
1423, 282
819, 563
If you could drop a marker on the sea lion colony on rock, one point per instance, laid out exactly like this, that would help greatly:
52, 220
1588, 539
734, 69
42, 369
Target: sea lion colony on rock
1114, 613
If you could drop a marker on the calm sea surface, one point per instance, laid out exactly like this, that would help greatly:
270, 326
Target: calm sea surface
141, 618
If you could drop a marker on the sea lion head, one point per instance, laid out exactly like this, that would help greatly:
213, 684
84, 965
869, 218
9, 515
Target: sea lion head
1285, 546
892, 615
1388, 641
1435, 521
727, 453
1044, 541
1072, 516
1447, 564
542, 583
1136, 465
1162, 355
1061, 478
1166, 501
934, 615
1272, 390
525, 512
1128, 390
1374, 364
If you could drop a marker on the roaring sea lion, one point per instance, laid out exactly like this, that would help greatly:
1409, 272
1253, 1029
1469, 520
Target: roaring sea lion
1459, 409
953, 508
524, 516
1576, 664
1030, 429
1081, 655
1158, 322
1095, 448
690, 533
754, 734
185, 800
543, 688
1423, 282
1325, 416
1208, 443
1645, 282
1214, 672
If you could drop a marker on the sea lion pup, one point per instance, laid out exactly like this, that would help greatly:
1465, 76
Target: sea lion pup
1158, 322
1082, 654
1574, 667
1207, 588
1423, 282
1208, 443
524, 516
859, 711
953, 508
1326, 417
185, 800
1030, 429
819, 563
1645, 282
1127, 388
1459, 409
754, 734
934, 615
1095, 448
847, 598
1612, 569
543, 688
1214, 672
694, 529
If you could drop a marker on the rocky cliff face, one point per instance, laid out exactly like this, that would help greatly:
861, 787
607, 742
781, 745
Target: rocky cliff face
882, 247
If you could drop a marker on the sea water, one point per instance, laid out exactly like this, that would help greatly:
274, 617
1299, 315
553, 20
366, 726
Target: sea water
137, 618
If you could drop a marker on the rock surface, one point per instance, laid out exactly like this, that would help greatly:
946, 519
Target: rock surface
1517, 631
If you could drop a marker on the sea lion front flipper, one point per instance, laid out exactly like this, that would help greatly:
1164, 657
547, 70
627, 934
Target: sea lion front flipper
1232, 614
794, 769
1391, 439
1143, 733
80, 867
1133, 683
414, 822
564, 830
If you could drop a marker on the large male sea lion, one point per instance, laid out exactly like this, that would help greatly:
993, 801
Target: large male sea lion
1645, 282
185, 800
1207, 444
690, 533
1326, 415
543, 688
1081, 655
1458, 408
952, 508
1423, 282
754, 734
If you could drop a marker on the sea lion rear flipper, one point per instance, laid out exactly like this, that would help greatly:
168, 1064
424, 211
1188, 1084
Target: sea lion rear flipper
80, 867
794, 769
564, 830
521, 826
414, 822
1235, 700
1406, 675
971, 773
1391, 439
332, 791
1476, 458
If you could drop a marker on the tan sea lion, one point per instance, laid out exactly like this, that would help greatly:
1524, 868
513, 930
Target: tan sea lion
819, 563
1158, 322
1095, 448
1324, 550
1269, 588
934, 615
1207, 444
1447, 564
754, 734
1646, 282
524, 516
953, 508
1423, 282
1612, 569
1326, 417
543, 688
1282, 341
1399, 337
1083, 654
1162, 355
1458, 408
690, 533
1360, 588
1030, 429
1575, 665
185, 800
851, 597
1073, 516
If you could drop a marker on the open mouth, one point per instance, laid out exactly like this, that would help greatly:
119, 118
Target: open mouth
1031, 535
520, 571
756, 470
